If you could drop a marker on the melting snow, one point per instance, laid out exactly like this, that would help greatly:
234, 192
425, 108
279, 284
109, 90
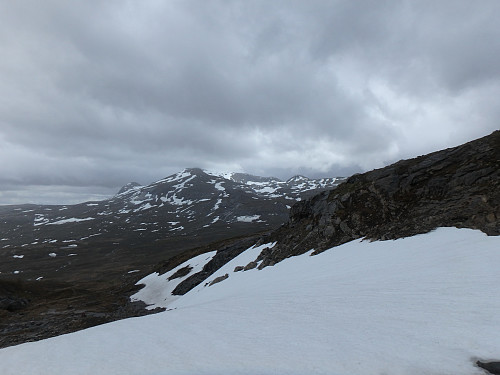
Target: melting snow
177, 228
247, 219
70, 220
219, 186
18, 256
147, 206
217, 204
40, 220
89, 236
226, 175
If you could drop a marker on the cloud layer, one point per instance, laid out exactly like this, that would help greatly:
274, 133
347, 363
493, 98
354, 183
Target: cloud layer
96, 94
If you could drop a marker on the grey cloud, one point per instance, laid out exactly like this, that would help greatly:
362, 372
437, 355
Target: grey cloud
100, 93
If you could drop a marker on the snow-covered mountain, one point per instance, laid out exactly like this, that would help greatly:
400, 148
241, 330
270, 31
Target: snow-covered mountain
181, 204
426, 304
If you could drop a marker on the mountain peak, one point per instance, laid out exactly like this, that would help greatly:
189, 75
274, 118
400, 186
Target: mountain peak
194, 171
297, 178
129, 186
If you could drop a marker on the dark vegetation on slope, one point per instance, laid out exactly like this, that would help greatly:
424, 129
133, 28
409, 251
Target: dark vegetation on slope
31, 311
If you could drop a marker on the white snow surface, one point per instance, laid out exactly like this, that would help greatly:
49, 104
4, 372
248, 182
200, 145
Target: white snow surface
70, 220
424, 305
158, 289
247, 219
226, 175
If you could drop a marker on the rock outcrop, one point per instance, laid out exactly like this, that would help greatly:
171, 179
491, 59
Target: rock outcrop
457, 187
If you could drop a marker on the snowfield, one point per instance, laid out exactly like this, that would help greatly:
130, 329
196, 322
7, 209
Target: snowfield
427, 304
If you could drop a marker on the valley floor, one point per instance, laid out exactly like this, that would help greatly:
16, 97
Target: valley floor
427, 304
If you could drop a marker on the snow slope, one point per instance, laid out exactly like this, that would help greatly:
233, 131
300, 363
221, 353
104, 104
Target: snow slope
427, 304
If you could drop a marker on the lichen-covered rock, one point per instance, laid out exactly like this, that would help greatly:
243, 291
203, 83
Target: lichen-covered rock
218, 279
250, 266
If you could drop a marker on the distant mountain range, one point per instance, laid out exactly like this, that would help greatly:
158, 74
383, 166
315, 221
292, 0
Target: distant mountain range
194, 207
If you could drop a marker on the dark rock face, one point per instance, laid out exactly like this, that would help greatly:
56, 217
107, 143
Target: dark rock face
250, 266
491, 367
10, 303
181, 273
457, 187
219, 279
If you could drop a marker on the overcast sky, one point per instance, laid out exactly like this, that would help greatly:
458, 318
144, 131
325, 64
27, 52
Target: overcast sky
95, 94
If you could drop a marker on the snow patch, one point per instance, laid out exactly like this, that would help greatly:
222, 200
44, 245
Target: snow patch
248, 219
157, 291
70, 220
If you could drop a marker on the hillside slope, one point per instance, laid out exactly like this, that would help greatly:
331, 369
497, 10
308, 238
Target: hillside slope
426, 305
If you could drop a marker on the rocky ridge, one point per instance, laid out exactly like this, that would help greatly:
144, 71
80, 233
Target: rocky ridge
457, 187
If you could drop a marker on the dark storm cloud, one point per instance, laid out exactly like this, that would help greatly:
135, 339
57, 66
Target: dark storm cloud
103, 92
